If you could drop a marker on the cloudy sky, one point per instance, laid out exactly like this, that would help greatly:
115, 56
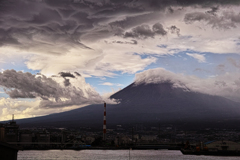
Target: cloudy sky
58, 55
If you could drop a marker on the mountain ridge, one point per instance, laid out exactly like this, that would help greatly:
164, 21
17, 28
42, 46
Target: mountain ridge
148, 104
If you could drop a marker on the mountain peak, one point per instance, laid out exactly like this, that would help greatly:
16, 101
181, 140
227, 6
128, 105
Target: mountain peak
150, 93
161, 76
152, 103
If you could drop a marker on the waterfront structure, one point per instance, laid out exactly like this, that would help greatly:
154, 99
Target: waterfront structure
104, 123
217, 148
8, 152
223, 145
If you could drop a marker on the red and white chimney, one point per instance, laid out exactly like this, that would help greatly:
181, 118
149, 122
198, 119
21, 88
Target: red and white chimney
104, 123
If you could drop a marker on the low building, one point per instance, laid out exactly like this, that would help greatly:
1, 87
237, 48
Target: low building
43, 137
223, 145
89, 140
26, 137
54, 137
122, 140
149, 137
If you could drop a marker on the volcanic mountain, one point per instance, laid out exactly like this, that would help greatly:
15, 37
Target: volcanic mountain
152, 103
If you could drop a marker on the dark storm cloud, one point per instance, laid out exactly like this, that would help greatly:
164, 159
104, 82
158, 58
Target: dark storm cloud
134, 41
39, 25
144, 31
78, 74
174, 30
26, 85
55, 26
125, 42
66, 74
225, 21
7, 38
213, 10
66, 81
158, 29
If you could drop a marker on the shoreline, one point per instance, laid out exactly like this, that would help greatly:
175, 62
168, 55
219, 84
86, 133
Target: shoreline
108, 148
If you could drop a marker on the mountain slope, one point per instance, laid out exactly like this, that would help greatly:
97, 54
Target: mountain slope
148, 104
163, 100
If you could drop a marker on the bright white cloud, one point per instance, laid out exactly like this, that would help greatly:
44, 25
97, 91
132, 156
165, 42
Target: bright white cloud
90, 63
199, 57
111, 84
27, 108
107, 84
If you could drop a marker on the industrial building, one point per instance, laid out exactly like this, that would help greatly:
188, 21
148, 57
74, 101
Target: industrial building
11, 131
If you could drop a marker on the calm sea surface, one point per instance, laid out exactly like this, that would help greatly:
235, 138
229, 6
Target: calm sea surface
113, 154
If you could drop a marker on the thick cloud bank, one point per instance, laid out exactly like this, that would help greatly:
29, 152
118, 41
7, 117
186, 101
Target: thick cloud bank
66, 89
227, 85
100, 37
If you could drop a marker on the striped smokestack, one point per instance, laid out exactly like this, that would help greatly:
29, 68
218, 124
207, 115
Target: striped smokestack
104, 123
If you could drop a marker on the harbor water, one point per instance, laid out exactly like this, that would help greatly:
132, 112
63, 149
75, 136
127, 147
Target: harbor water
112, 154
